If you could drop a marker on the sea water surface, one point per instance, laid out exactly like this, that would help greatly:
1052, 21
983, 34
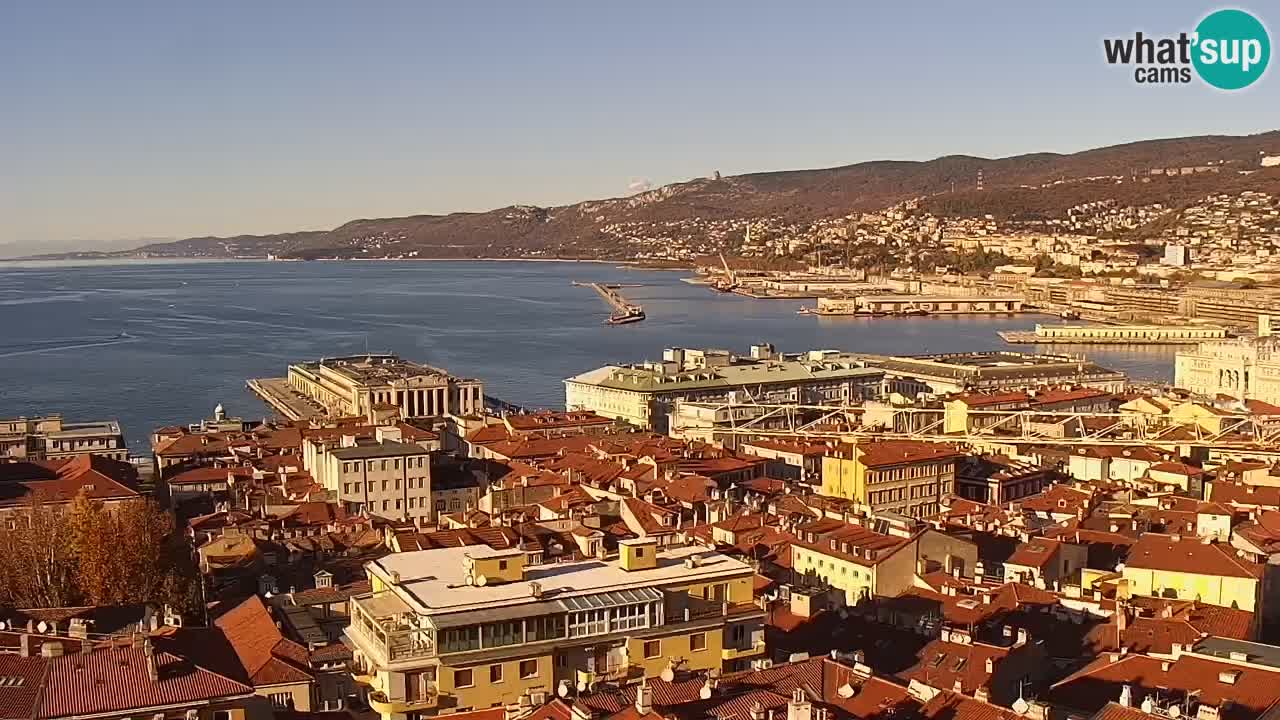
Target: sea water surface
154, 343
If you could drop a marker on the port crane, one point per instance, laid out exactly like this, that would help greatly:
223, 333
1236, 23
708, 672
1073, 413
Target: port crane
730, 281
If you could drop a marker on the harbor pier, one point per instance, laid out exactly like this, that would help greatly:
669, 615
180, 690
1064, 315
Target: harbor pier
624, 311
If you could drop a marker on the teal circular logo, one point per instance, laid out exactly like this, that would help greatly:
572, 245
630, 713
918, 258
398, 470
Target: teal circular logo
1231, 49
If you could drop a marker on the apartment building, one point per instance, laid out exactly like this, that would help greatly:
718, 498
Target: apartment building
1194, 568
854, 559
51, 438
902, 476
380, 475
645, 395
353, 386
475, 627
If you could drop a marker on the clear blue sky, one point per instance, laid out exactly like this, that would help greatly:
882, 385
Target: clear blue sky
167, 119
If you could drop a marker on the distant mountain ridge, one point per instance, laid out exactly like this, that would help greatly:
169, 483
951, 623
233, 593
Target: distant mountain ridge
587, 229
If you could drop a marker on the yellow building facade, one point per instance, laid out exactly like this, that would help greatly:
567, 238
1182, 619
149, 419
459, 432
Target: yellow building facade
1193, 569
906, 477
473, 627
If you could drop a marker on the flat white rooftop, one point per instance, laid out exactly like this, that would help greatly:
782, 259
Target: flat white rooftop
434, 581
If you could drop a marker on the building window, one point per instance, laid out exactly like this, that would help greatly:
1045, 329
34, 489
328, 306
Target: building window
528, 669
282, 700
502, 564
698, 641
463, 678
653, 648
495, 673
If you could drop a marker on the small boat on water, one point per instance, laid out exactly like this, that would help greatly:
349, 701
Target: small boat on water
633, 313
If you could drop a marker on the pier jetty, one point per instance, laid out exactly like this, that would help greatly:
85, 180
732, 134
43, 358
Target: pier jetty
624, 311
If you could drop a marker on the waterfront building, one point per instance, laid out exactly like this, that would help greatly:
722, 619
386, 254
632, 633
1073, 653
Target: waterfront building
990, 371
51, 438
361, 384
475, 627
1117, 334
937, 304
645, 395
902, 476
1245, 368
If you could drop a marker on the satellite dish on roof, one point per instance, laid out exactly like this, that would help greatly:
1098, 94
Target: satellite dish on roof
845, 691
481, 581
43, 627
563, 690
2, 625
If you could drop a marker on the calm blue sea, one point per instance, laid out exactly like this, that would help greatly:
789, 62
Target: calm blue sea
155, 343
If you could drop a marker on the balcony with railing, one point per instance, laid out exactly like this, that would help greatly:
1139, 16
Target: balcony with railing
388, 629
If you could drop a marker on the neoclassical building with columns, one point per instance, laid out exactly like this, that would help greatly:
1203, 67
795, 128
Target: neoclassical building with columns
357, 384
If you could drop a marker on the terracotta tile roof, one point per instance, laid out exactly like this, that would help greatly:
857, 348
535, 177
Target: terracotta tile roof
20, 682
1116, 711
115, 679
887, 453
267, 656
1058, 499
330, 595
548, 419
488, 434
1053, 396
786, 446
954, 706
58, 481
1251, 692
1234, 493
1034, 553
1189, 555
943, 663
852, 543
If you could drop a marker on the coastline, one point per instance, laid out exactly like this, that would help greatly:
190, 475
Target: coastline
105, 261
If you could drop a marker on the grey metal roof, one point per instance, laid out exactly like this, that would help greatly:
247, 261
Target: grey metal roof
1257, 653
498, 614
613, 599
385, 448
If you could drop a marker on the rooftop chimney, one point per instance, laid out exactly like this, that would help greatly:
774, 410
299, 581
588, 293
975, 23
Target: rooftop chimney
644, 698
799, 707
153, 670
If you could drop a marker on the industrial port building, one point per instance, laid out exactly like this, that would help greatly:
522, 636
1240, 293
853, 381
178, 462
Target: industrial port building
645, 395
